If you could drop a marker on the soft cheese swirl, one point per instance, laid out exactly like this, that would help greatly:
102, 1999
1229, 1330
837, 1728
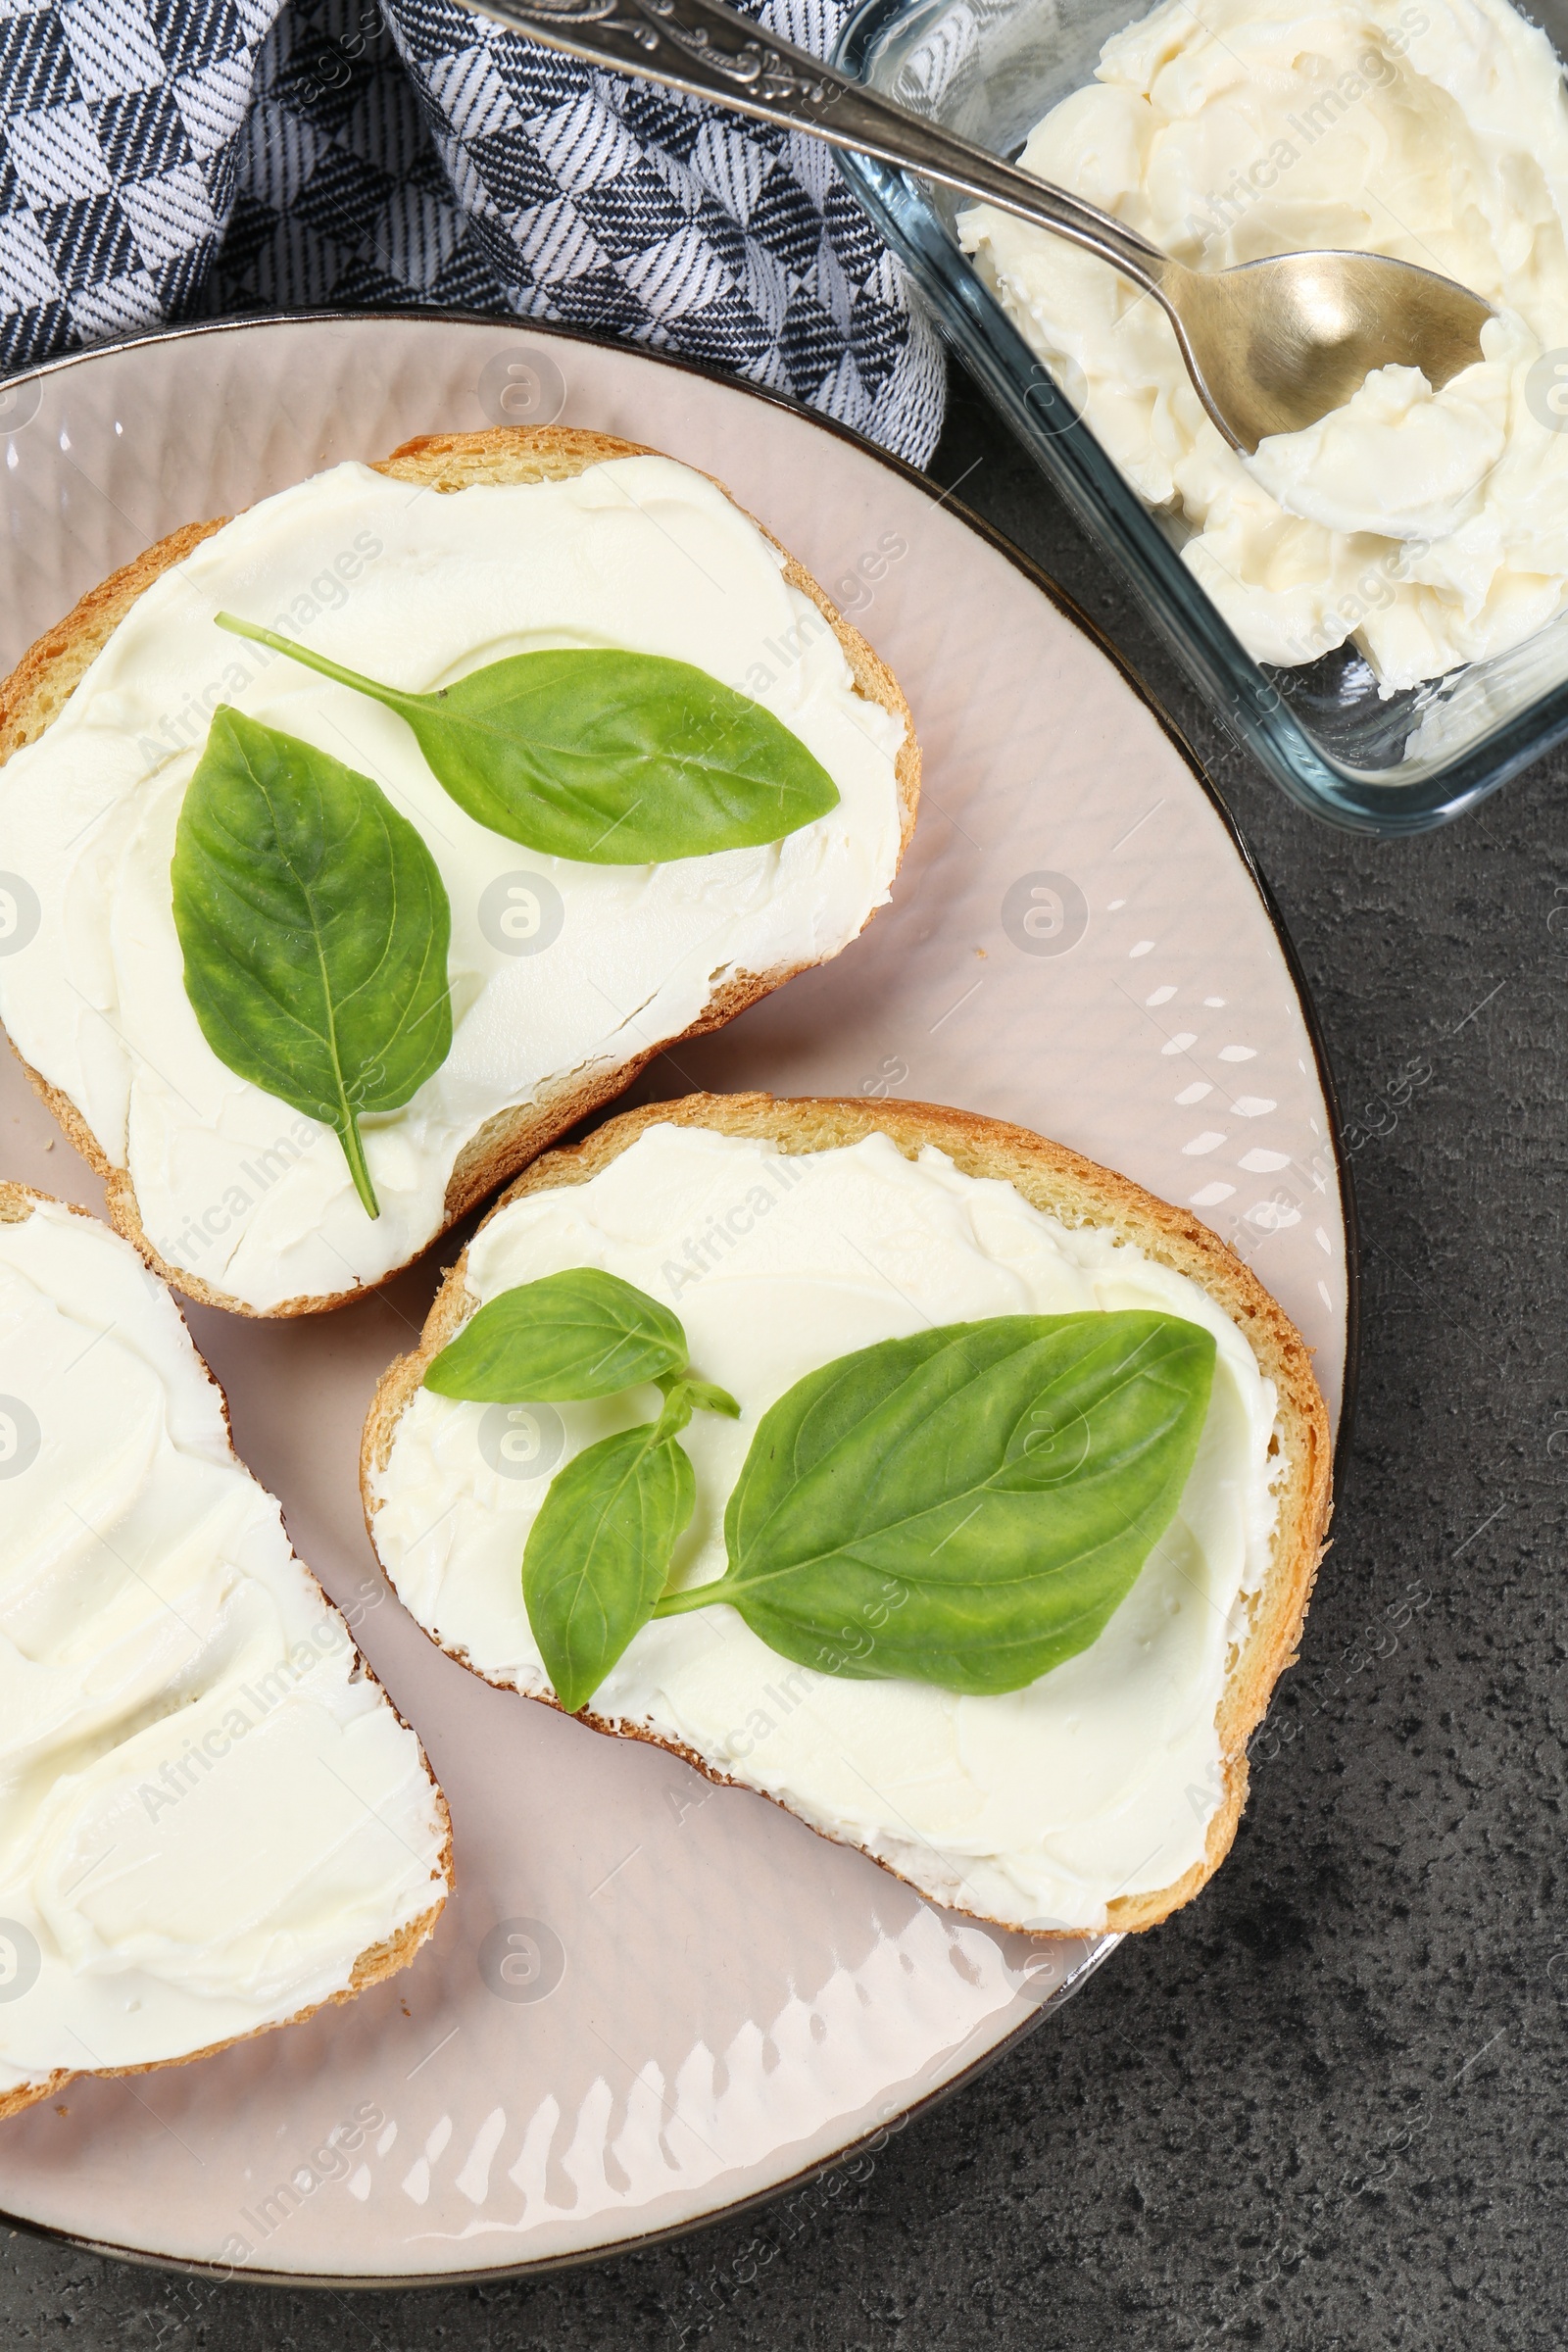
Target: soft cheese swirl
555, 968
208, 1811
1433, 527
1039, 1807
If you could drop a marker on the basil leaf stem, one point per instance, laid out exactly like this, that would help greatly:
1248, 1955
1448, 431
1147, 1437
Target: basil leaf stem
599, 754
708, 1398
313, 926
966, 1507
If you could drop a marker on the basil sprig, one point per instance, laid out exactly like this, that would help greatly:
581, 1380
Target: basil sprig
313, 926
966, 1507
603, 755
598, 1554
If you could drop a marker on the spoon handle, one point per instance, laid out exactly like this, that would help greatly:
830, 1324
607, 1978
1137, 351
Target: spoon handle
708, 51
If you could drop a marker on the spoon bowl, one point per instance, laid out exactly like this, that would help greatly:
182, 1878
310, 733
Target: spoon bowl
1273, 346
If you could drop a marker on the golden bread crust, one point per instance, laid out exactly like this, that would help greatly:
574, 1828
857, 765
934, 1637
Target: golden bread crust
1077, 1191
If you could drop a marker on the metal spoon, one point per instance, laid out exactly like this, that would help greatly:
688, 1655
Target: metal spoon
1271, 346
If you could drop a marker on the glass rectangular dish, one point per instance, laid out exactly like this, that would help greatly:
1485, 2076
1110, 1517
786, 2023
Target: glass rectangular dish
989, 69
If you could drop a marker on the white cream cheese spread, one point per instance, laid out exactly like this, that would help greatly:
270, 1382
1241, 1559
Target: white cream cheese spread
207, 1810
1039, 1807
557, 969
1429, 526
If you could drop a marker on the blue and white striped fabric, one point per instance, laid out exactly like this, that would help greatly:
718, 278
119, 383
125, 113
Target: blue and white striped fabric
169, 158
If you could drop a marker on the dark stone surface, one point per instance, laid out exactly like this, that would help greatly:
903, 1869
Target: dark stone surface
1324, 2107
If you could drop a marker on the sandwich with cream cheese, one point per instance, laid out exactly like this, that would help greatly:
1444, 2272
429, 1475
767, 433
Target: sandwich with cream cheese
367, 841
891, 1461
211, 1819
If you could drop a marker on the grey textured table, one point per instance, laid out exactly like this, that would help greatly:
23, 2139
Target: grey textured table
1324, 2106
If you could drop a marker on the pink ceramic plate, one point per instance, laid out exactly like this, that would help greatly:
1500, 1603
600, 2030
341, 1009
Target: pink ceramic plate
651, 2000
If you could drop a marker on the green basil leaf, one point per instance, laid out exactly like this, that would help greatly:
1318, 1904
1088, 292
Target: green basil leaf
708, 1397
573, 1335
598, 1554
966, 1507
607, 757
315, 926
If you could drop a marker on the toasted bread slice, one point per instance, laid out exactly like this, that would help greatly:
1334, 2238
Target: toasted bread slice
245, 1648
1075, 1193
40, 685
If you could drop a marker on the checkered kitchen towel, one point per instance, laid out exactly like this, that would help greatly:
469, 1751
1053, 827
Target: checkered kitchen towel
171, 158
